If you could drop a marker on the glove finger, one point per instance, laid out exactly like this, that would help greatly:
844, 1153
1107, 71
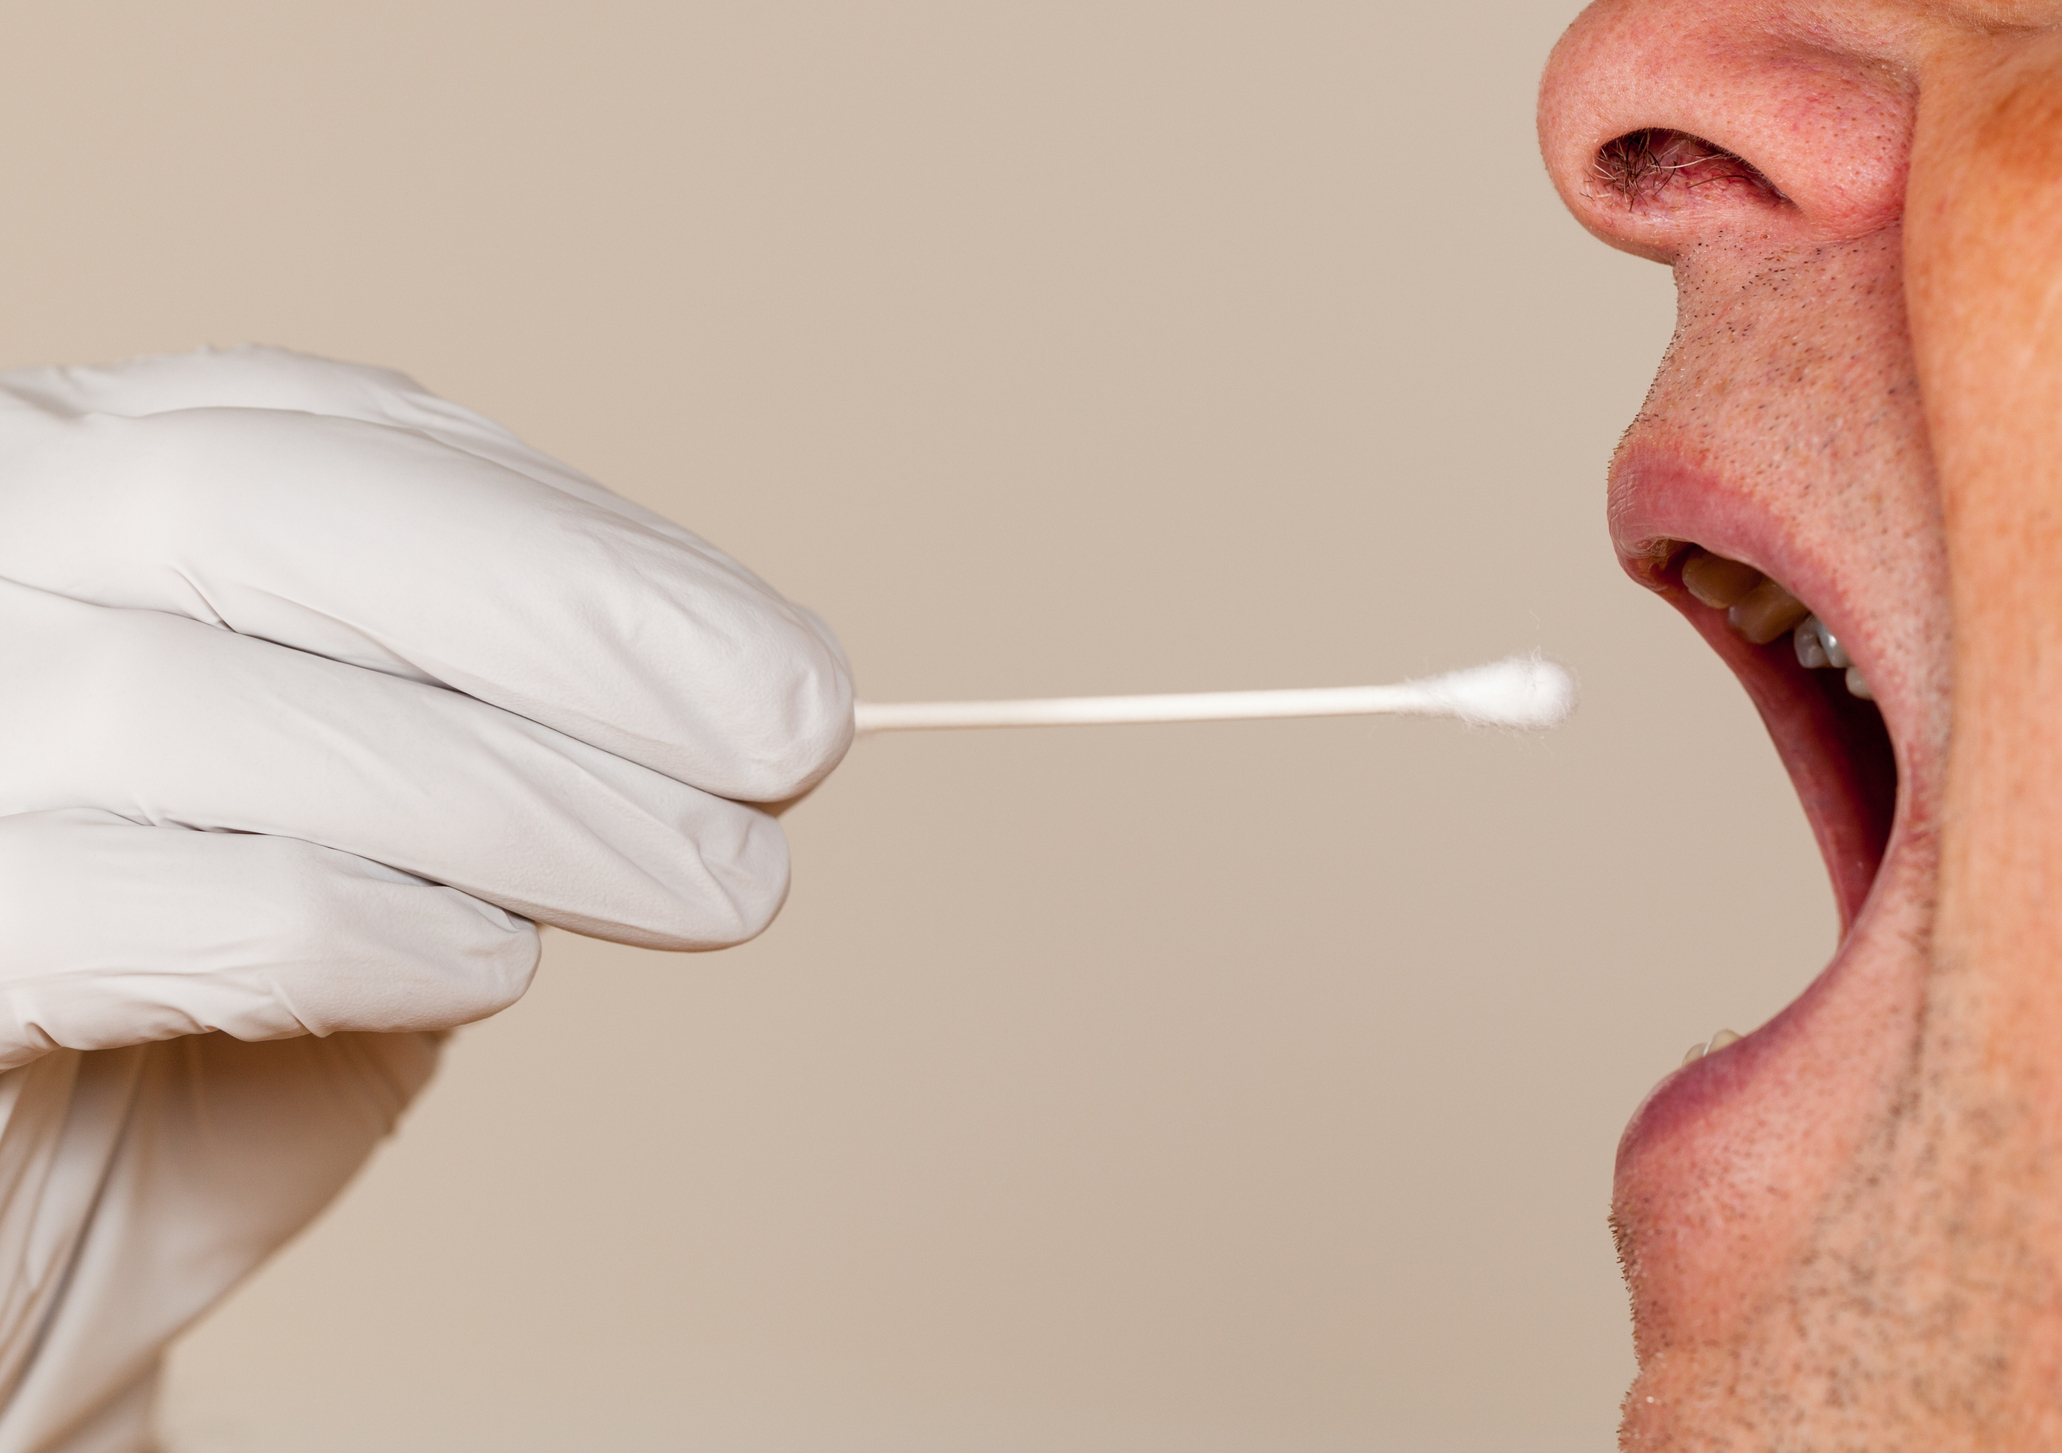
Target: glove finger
165, 721
257, 377
114, 934
348, 513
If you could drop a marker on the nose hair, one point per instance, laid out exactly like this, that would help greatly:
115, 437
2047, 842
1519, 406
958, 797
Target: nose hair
1664, 122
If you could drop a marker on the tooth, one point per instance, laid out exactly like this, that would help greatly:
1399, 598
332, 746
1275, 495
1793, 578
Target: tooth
1836, 654
1696, 1052
1721, 1039
1811, 651
1765, 612
1717, 581
1858, 687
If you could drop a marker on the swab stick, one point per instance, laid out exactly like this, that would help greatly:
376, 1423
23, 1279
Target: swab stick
1523, 692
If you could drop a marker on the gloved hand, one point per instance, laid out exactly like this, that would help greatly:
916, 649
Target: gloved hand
321, 692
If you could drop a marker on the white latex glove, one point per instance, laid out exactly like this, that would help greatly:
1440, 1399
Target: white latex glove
320, 691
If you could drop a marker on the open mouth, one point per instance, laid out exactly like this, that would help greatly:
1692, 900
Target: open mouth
1720, 1164
1815, 701
1725, 1171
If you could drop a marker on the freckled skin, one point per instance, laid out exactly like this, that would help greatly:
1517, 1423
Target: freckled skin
1850, 1237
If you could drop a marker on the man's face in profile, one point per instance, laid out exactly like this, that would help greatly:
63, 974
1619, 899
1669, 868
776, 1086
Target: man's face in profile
1845, 1231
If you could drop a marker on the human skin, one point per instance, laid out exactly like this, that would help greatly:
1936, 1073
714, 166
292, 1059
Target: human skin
1845, 1230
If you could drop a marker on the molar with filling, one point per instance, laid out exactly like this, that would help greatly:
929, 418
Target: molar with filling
1818, 648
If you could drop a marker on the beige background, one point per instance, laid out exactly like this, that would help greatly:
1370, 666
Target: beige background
1243, 1087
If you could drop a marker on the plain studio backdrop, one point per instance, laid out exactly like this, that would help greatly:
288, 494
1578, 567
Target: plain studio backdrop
1157, 1088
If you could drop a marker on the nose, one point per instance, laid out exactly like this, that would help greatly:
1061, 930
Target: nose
1665, 123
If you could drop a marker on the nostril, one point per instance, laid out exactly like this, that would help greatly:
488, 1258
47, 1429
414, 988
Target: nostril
1657, 167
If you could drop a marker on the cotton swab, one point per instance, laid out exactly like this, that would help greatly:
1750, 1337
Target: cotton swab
1524, 692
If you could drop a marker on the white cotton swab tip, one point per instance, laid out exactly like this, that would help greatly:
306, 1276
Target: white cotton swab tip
1524, 692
